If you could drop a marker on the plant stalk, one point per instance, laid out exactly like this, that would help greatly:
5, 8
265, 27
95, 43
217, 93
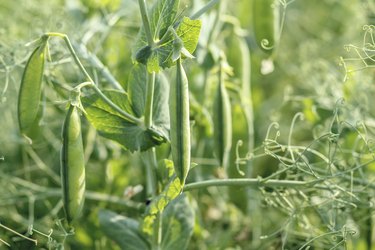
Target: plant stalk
128, 116
149, 99
248, 182
146, 22
150, 162
204, 9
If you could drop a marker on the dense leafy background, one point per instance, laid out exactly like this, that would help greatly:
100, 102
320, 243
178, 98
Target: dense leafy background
307, 78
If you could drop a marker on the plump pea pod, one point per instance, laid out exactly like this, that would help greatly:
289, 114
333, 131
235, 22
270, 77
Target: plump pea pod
266, 23
179, 123
222, 117
72, 165
31, 91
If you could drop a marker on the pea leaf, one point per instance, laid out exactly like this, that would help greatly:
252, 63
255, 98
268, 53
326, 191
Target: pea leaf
165, 54
162, 15
159, 203
112, 125
178, 223
137, 89
189, 31
124, 231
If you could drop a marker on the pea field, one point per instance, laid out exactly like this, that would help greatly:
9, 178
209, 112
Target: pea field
177, 124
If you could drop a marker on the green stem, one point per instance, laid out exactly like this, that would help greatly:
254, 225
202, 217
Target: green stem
128, 116
41, 192
20, 235
248, 182
204, 9
150, 162
72, 51
160, 229
146, 22
95, 62
246, 97
150, 99
166, 36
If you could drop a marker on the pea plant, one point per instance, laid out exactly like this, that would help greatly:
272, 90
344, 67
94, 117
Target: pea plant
186, 122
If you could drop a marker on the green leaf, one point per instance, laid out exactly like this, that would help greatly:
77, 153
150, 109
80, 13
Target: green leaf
112, 125
178, 224
124, 231
159, 203
163, 14
165, 54
137, 87
189, 31
188, 35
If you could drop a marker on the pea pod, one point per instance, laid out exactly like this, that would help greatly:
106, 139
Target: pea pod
222, 117
266, 23
72, 165
31, 91
179, 123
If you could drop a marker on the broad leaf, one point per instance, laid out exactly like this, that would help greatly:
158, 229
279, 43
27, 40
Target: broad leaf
159, 203
189, 31
188, 35
124, 231
112, 125
165, 54
137, 89
162, 15
178, 224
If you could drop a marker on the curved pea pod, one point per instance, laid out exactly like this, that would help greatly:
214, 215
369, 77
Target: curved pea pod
30, 91
266, 23
179, 123
222, 117
72, 165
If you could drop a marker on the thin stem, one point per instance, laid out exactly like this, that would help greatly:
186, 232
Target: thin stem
146, 22
246, 97
5, 243
74, 54
157, 232
150, 162
150, 99
204, 9
128, 116
249, 182
95, 62
17, 233
151, 165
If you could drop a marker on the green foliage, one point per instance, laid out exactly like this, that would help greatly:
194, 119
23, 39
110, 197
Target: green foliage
177, 224
302, 157
159, 203
124, 231
166, 51
113, 125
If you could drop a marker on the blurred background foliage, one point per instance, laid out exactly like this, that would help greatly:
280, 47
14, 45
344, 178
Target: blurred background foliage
308, 78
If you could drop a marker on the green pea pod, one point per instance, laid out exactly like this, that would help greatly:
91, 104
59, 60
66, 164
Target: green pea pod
72, 165
31, 91
222, 117
266, 23
179, 123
